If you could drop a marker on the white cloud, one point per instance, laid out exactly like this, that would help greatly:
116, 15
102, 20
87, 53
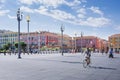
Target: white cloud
73, 3
96, 10
28, 2
26, 9
56, 14
3, 12
62, 15
12, 17
47, 3
82, 11
95, 22
68, 17
0, 7
2, 1
53, 3
81, 16
117, 27
42, 10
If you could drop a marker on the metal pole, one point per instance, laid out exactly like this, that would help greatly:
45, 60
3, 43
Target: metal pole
81, 41
19, 48
72, 44
19, 18
28, 36
39, 41
28, 45
62, 29
62, 40
75, 42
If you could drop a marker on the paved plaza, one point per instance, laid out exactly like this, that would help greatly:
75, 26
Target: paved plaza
57, 67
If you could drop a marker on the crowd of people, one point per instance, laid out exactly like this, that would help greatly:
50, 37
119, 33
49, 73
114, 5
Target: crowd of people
88, 52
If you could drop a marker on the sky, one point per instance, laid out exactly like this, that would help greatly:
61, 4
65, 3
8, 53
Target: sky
90, 17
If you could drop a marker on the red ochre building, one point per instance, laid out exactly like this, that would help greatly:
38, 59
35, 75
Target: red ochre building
51, 40
91, 42
47, 39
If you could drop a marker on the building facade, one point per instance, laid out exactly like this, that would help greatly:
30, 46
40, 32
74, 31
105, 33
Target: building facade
8, 37
37, 40
92, 42
33, 39
114, 42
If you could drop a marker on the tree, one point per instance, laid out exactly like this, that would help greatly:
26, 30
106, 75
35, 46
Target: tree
44, 48
9, 45
16, 45
22, 44
5, 47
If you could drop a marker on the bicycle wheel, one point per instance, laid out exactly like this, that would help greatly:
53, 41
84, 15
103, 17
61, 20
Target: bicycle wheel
85, 63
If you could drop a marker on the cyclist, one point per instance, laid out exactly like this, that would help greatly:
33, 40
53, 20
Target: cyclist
88, 55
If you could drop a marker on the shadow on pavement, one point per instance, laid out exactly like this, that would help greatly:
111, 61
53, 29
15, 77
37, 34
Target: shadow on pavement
52, 60
72, 62
99, 67
73, 56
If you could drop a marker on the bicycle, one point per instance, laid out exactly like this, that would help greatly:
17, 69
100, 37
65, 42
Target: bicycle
86, 62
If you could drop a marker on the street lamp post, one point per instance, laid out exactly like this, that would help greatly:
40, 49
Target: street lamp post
28, 20
39, 41
72, 44
81, 41
62, 29
19, 18
75, 42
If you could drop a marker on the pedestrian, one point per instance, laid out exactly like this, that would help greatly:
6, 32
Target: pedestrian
102, 51
111, 53
4, 52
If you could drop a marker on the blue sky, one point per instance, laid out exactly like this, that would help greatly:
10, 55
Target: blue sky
91, 17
